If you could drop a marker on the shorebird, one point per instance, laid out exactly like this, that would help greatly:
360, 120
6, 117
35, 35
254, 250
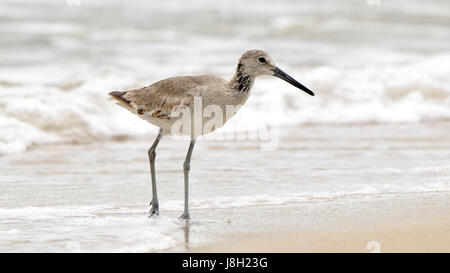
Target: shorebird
158, 104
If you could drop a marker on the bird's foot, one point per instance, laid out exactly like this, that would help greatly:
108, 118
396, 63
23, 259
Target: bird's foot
154, 211
184, 217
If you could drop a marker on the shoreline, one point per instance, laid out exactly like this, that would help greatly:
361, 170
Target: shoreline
324, 190
390, 238
424, 226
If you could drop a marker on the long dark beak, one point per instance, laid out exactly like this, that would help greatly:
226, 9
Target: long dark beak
280, 74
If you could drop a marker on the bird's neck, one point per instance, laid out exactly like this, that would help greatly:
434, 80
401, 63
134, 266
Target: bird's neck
241, 82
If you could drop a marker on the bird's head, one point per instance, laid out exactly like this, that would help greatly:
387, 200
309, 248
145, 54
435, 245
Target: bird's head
259, 62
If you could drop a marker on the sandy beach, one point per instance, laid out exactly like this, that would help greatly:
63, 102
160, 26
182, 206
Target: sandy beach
414, 238
423, 226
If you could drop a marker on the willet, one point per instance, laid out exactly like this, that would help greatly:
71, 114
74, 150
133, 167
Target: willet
159, 103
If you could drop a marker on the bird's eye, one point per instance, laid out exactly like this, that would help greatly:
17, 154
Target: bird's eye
262, 59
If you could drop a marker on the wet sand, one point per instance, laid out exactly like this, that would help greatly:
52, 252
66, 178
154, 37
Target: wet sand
425, 229
403, 238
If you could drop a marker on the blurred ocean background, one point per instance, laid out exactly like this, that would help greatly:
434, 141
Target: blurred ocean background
74, 174
367, 63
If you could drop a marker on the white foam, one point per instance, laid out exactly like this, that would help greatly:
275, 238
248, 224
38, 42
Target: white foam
311, 196
127, 227
36, 114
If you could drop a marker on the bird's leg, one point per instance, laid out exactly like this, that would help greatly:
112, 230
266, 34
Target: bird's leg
151, 156
186, 168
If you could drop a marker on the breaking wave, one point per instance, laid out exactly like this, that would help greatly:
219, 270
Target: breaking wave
78, 110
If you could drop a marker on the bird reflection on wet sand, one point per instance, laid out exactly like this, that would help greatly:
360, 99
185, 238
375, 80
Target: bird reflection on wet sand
187, 229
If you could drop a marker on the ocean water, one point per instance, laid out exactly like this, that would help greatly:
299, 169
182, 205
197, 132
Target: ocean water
74, 174
366, 63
